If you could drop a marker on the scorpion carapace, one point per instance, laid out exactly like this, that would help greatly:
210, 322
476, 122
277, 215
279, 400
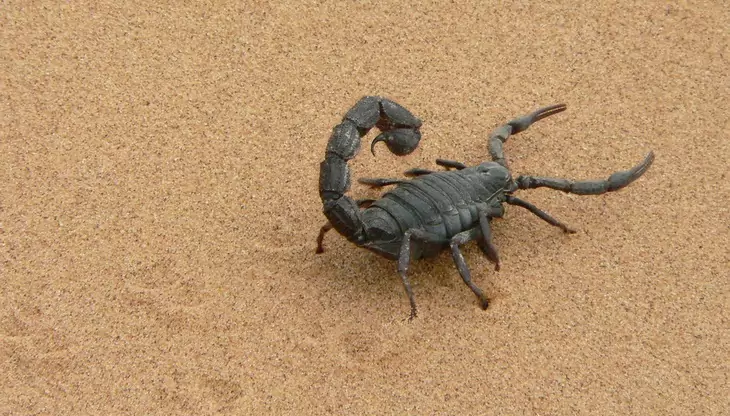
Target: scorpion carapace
434, 210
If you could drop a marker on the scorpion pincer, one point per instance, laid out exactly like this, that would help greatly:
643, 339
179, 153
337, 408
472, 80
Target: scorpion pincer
436, 209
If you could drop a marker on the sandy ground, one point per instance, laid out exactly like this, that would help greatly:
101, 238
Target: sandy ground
159, 207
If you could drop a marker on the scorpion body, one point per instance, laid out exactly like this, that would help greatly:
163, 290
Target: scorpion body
433, 211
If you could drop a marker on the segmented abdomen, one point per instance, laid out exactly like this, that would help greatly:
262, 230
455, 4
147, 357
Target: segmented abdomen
442, 203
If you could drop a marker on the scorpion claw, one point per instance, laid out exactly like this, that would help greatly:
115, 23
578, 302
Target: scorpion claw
522, 123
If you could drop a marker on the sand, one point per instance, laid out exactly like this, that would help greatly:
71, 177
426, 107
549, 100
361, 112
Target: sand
159, 208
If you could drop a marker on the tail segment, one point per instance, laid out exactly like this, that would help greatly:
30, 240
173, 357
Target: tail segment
400, 132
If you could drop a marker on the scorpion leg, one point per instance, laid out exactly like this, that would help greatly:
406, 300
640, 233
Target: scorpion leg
362, 203
380, 182
457, 240
441, 162
485, 241
417, 172
540, 213
500, 135
450, 164
404, 260
614, 182
320, 237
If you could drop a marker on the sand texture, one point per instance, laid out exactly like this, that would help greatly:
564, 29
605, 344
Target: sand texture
159, 170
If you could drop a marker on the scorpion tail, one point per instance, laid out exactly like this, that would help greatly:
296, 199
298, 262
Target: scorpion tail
400, 132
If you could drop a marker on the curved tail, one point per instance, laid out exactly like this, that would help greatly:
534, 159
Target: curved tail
400, 132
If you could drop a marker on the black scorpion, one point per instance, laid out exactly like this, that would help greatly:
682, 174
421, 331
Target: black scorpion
422, 216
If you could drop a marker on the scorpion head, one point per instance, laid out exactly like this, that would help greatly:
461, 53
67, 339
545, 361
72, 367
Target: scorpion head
495, 177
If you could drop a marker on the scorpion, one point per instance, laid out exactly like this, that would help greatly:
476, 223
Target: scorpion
434, 210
